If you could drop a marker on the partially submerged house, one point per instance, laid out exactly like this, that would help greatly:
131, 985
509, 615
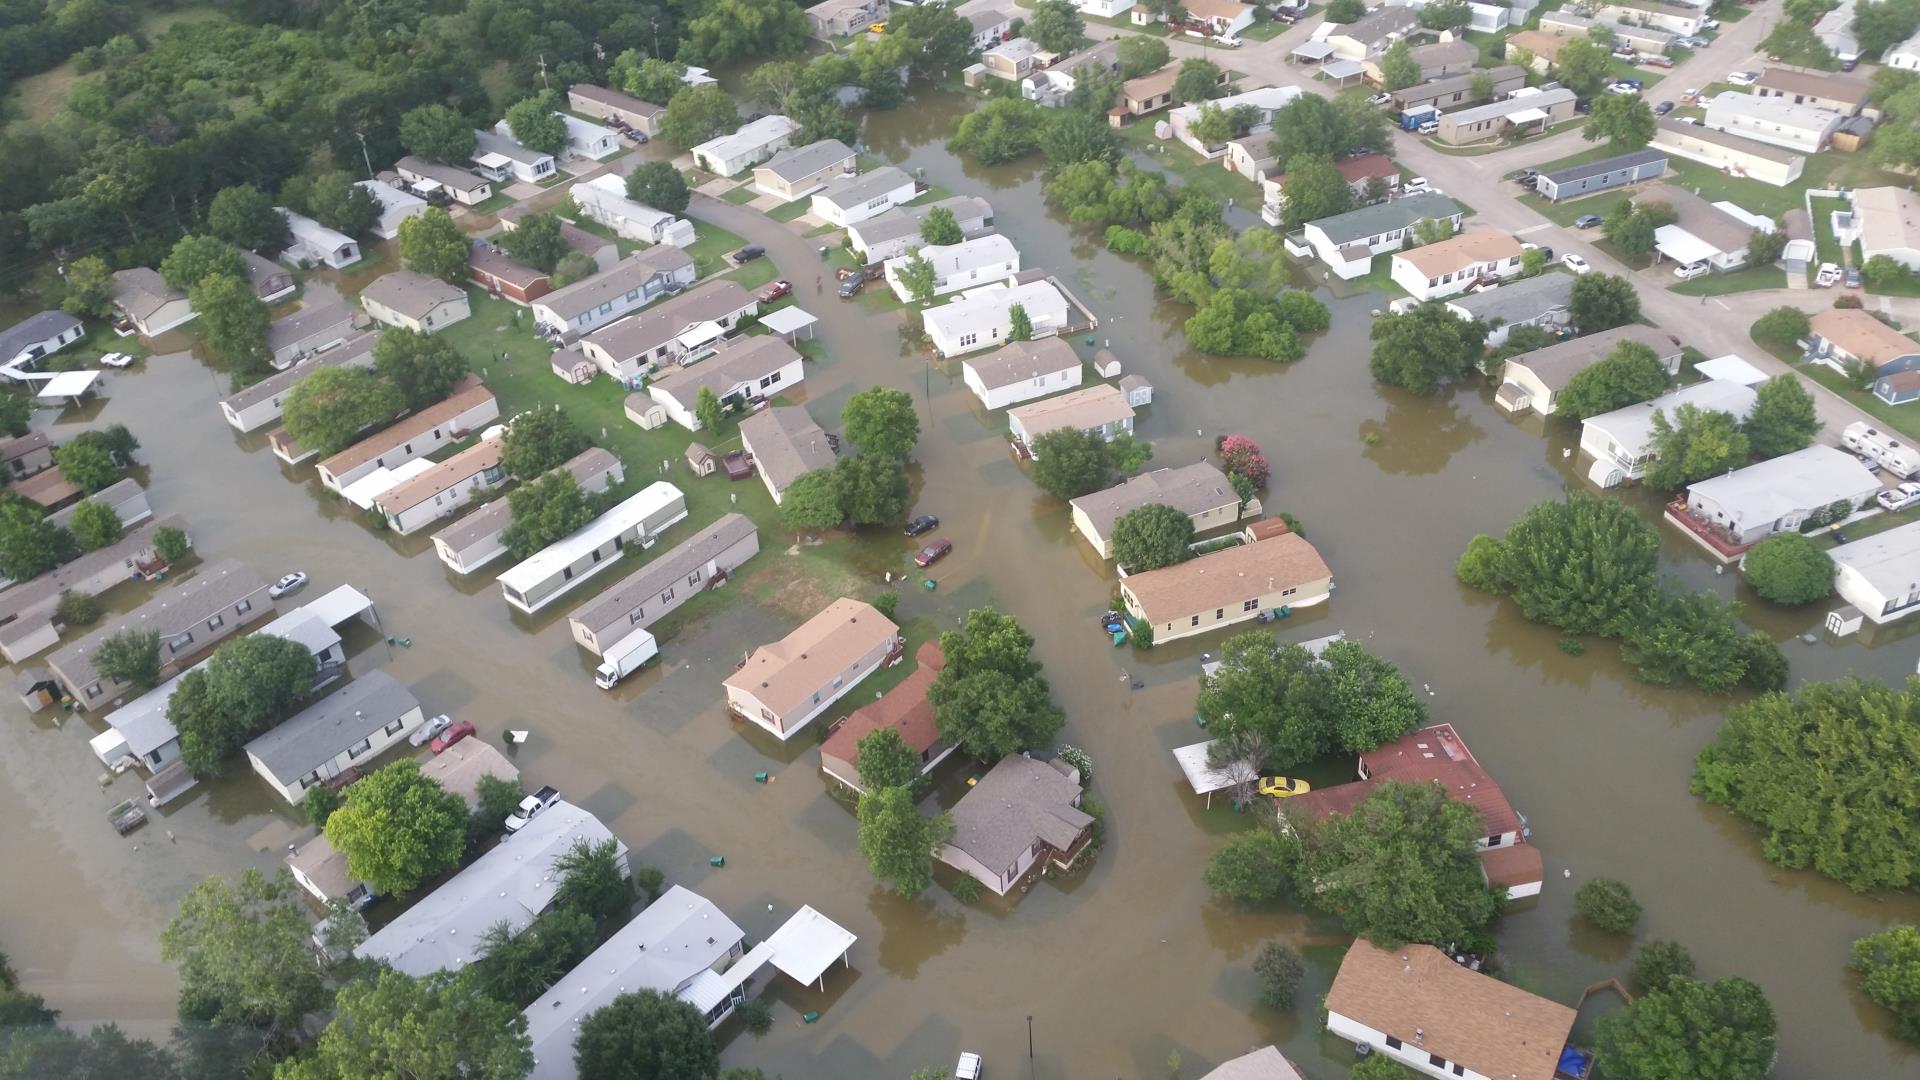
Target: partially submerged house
1621, 442
417, 435
396, 206
749, 145
313, 244
474, 540
1543, 300
350, 726
146, 304
218, 601
1533, 380
1878, 576
687, 326
1100, 409
1021, 371
1223, 588
783, 685
647, 595
258, 405
1023, 812
1053, 86
1446, 267
981, 318
784, 444
271, 281
633, 283
839, 18
883, 236
27, 623
1264, 101
849, 201
904, 710
1348, 242
442, 489
1745, 506
563, 565
965, 265
308, 332
739, 372
427, 177
604, 199
38, 335
1200, 491
415, 301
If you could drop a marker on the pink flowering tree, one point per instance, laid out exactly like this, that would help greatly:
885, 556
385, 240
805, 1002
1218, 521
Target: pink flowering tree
1241, 456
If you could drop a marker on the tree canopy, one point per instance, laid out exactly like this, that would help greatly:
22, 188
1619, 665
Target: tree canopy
659, 185
698, 113
812, 502
438, 133
646, 1035
196, 258
538, 440
991, 699
550, 508
431, 244
1602, 302
881, 421
1150, 537
1783, 418
884, 760
1001, 130
1624, 120
246, 217
333, 405
1789, 569
1695, 444
1584, 564
1069, 462
1888, 964
1425, 348
1281, 706
233, 322
398, 828
393, 1024
131, 656
243, 954
536, 123
424, 368
250, 684
30, 545
1630, 374
1707, 1031
535, 241
729, 30
899, 841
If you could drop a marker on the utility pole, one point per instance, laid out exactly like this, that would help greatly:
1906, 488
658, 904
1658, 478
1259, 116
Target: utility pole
543, 71
656, 38
363, 153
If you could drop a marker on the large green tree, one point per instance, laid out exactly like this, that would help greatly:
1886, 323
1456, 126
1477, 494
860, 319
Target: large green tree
1150, 537
1789, 569
939, 227
538, 440
899, 841
649, 78
438, 133
1704, 1031
431, 244
594, 880
1424, 348
245, 217
991, 699
884, 760
95, 524
871, 489
1688, 638
1624, 120
1783, 418
536, 123
131, 656
196, 258
535, 241
1888, 964
1398, 68
1314, 189
1583, 66
1583, 564
1602, 302
337, 202
1140, 54
518, 967
233, 322
1254, 866
86, 464
550, 508
698, 113
392, 1024
881, 421
250, 684
1695, 444
421, 366
30, 545
659, 185
812, 502
1630, 374
244, 954
1001, 130
398, 828
329, 408
1371, 701
729, 30
1055, 25
645, 1035
1070, 462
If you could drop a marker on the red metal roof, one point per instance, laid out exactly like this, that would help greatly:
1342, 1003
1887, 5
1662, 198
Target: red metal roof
904, 708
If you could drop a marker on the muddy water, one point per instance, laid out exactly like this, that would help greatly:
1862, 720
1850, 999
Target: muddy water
1126, 964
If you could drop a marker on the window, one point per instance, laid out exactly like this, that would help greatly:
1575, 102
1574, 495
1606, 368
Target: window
309, 780
1393, 1043
1459, 1070
406, 448
693, 578
666, 596
394, 728
837, 680
1288, 592
243, 607
1493, 841
216, 622
1219, 613
1436, 1061
969, 339
766, 713
816, 698
93, 691
1250, 605
1196, 621
636, 615
770, 380
359, 748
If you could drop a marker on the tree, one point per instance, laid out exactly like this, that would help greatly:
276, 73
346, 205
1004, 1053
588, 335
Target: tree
550, 508
884, 760
1273, 699
393, 1024
431, 244
645, 1036
1630, 374
1346, 11
1584, 66
87, 464
130, 656
650, 78
1139, 55
1789, 569
881, 421
16, 414
1708, 1031
494, 799
1607, 904
939, 227
1425, 348
233, 322
1533, 261
246, 218
398, 828
536, 241
1603, 301
732, 30
1082, 135
538, 440
94, 524
1069, 462
1279, 969
1782, 325
1150, 537
1314, 189
1370, 700
1630, 228
536, 123
1695, 444
437, 133
698, 113
1398, 68
195, 258
1254, 866
898, 841
592, 880
1657, 963
1888, 964
707, 411
243, 954
659, 185
1765, 246
328, 408
1198, 80
1480, 86
518, 967
1241, 456
422, 368
872, 489
991, 699
36, 1050
1055, 26
76, 609
337, 202
812, 502
89, 289
1882, 272
1783, 418
169, 542
1624, 120
1000, 131
1446, 15
945, 36
250, 684
1019, 326
919, 277
1819, 774
1797, 44
1583, 564
30, 545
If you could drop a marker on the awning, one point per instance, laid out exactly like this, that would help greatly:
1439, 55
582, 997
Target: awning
1682, 246
491, 160
1528, 116
1203, 778
806, 945
69, 384
788, 320
1312, 50
1342, 69
699, 334
1732, 369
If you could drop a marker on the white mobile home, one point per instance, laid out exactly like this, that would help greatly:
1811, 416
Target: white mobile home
1100, 409
633, 283
753, 143
645, 596
851, 201
470, 406
474, 540
314, 244
259, 405
604, 199
980, 319
1621, 442
743, 369
351, 725
1021, 371
563, 565
500, 159
965, 265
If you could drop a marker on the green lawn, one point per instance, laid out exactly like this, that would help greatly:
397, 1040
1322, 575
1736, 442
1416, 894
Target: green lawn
753, 274
1623, 69
788, 211
493, 204
1730, 12
1909, 285
1177, 159
740, 196
1748, 280
1902, 418
1265, 29
712, 244
1827, 247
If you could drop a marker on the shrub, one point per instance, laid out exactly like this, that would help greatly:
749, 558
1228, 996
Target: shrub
1848, 300
1478, 567
756, 1015
1882, 271
965, 888
1080, 760
1608, 904
1125, 241
1657, 963
76, 609
1241, 456
1280, 969
1789, 569
320, 804
886, 602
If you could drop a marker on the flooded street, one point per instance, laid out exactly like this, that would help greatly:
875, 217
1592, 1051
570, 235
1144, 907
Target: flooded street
1134, 959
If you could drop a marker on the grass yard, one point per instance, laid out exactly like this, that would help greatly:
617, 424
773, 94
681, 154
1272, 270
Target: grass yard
1902, 418
1177, 160
1748, 280
1624, 69
787, 211
712, 245
740, 196
753, 275
493, 204
1827, 247
1909, 285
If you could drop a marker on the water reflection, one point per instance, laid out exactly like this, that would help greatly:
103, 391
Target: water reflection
916, 930
1418, 437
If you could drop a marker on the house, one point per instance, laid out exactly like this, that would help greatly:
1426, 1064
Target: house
850, 201
1105, 9
1437, 61
352, 724
1348, 242
474, 540
980, 319
1835, 31
1021, 371
1013, 59
1544, 301
784, 444
604, 199
146, 304
880, 238
27, 624
1200, 491
605, 104
1775, 121
1621, 441
688, 325
1828, 91
1898, 388
470, 406
839, 18
1419, 1007
563, 565
1223, 18
1905, 56
396, 206
1840, 338
650, 593
1641, 39
1533, 380
1021, 813
309, 332
491, 268
1714, 233
427, 177
1359, 172
1748, 505
1264, 101
1145, 94
1541, 47
964, 265
25, 455
1884, 221
442, 490
1603, 175
511, 884
1737, 155
1100, 409
585, 139
259, 404
213, 604
125, 497
1674, 18
414, 301
271, 282
1451, 90
38, 335
1373, 33
990, 25
1519, 115
905, 709
633, 283
798, 171
1266, 1063
741, 371
784, 685
1052, 86
1449, 266
1249, 157
753, 143
313, 244
1226, 587
500, 159
1880, 574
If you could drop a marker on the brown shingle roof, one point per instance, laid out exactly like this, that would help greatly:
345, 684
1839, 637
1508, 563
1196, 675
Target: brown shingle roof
1226, 577
782, 674
1862, 335
904, 708
1459, 252
1848, 88
475, 459
1152, 84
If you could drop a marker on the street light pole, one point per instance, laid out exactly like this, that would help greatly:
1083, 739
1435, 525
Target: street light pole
363, 153
1029, 1036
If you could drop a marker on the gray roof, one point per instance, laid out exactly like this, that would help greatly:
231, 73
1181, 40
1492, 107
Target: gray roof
486, 142
797, 161
115, 495
1374, 28
1630, 160
905, 220
410, 293
281, 382
1453, 84
627, 275
18, 600
451, 175
326, 729
1443, 53
1518, 301
1020, 800
867, 185
490, 519
265, 275
649, 581
140, 291
1813, 477
1889, 561
1779, 154
32, 330
309, 322
985, 18
649, 328
1545, 99
616, 99
1387, 216
1632, 427
1020, 361
786, 444
16, 448
1189, 489
210, 591
1557, 364
736, 360
1699, 217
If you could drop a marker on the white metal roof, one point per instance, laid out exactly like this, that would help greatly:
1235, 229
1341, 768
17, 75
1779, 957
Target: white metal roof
1313, 50
748, 139
1682, 246
632, 511
788, 320
363, 491
1889, 561
69, 384
808, 943
336, 607
1204, 779
1343, 69
1632, 427
1528, 116
1731, 368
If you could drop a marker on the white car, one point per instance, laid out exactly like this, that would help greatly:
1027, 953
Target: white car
1899, 498
1691, 271
1415, 185
1827, 276
116, 360
1575, 263
293, 582
1623, 88
1743, 78
1379, 99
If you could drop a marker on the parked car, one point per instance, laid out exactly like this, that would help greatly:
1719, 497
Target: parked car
292, 583
1663, 108
530, 808
1685, 120
922, 525
1415, 185
749, 253
1430, 127
933, 552
850, 286
1545, 251
1907, 494
1575, 263
453, 734
969, 1067
1826, 276
1380, 99
1657, 61
1624, 53
773, 290
1692, 270
1849, 65
1850, 277
1623, 88
425, 732
877, 28
1743, 78
1587, 221
1709, 24
1281, 787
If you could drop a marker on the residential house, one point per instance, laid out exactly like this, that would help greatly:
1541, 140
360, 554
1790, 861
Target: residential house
215, 603
258, 405
1373, 33
271, 282
414, 301
979, 319
853, 200
1840, 338
27, 623
1641, 39
1266, 1063
904, 709
348, 727
1879, 575
125, 497
1441, 269
1748, 505
1013, 59
1541, 48
1437, 60
1226, 587
605, 104
1674, 18
511, 884
1021, 813
1603, 175
604, 199
1223, 18
1419, 1007
1772, 120
784, 685
442, 490
426, 177
1533, 380
1348, 242
1448, 91
146, 304
500, 159
1264, 101
1736, 155
1146, 94
38, 335
1359, 173
1105, 9
688, 325
1905, 56
1898, 388
25, 455
1835, 31
1713, 233
990, 26
1021, 371
650, 593
784, 444
1621, 441
585, 139
1250, 157
313, 244
1100, 409
799, 171
563, 565
469, 407
1052, 86
1830, 91
396, 206
633, 283
491, 268
474, 540
309, 332
753, 143
880, 238
840, 18
1543, 301
1200, 491
965, 265
1884, 221
741, 371
1521, 114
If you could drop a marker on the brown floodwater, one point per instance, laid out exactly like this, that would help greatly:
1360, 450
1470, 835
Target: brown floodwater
1127, 963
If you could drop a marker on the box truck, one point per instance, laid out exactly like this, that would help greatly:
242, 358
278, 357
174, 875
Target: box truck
624, 658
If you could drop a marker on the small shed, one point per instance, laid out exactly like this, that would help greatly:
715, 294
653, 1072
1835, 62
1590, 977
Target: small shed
644, 411
973, 74
1852, 134
1105, 364
572, 365
701, 460
791, 323
1138, 390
